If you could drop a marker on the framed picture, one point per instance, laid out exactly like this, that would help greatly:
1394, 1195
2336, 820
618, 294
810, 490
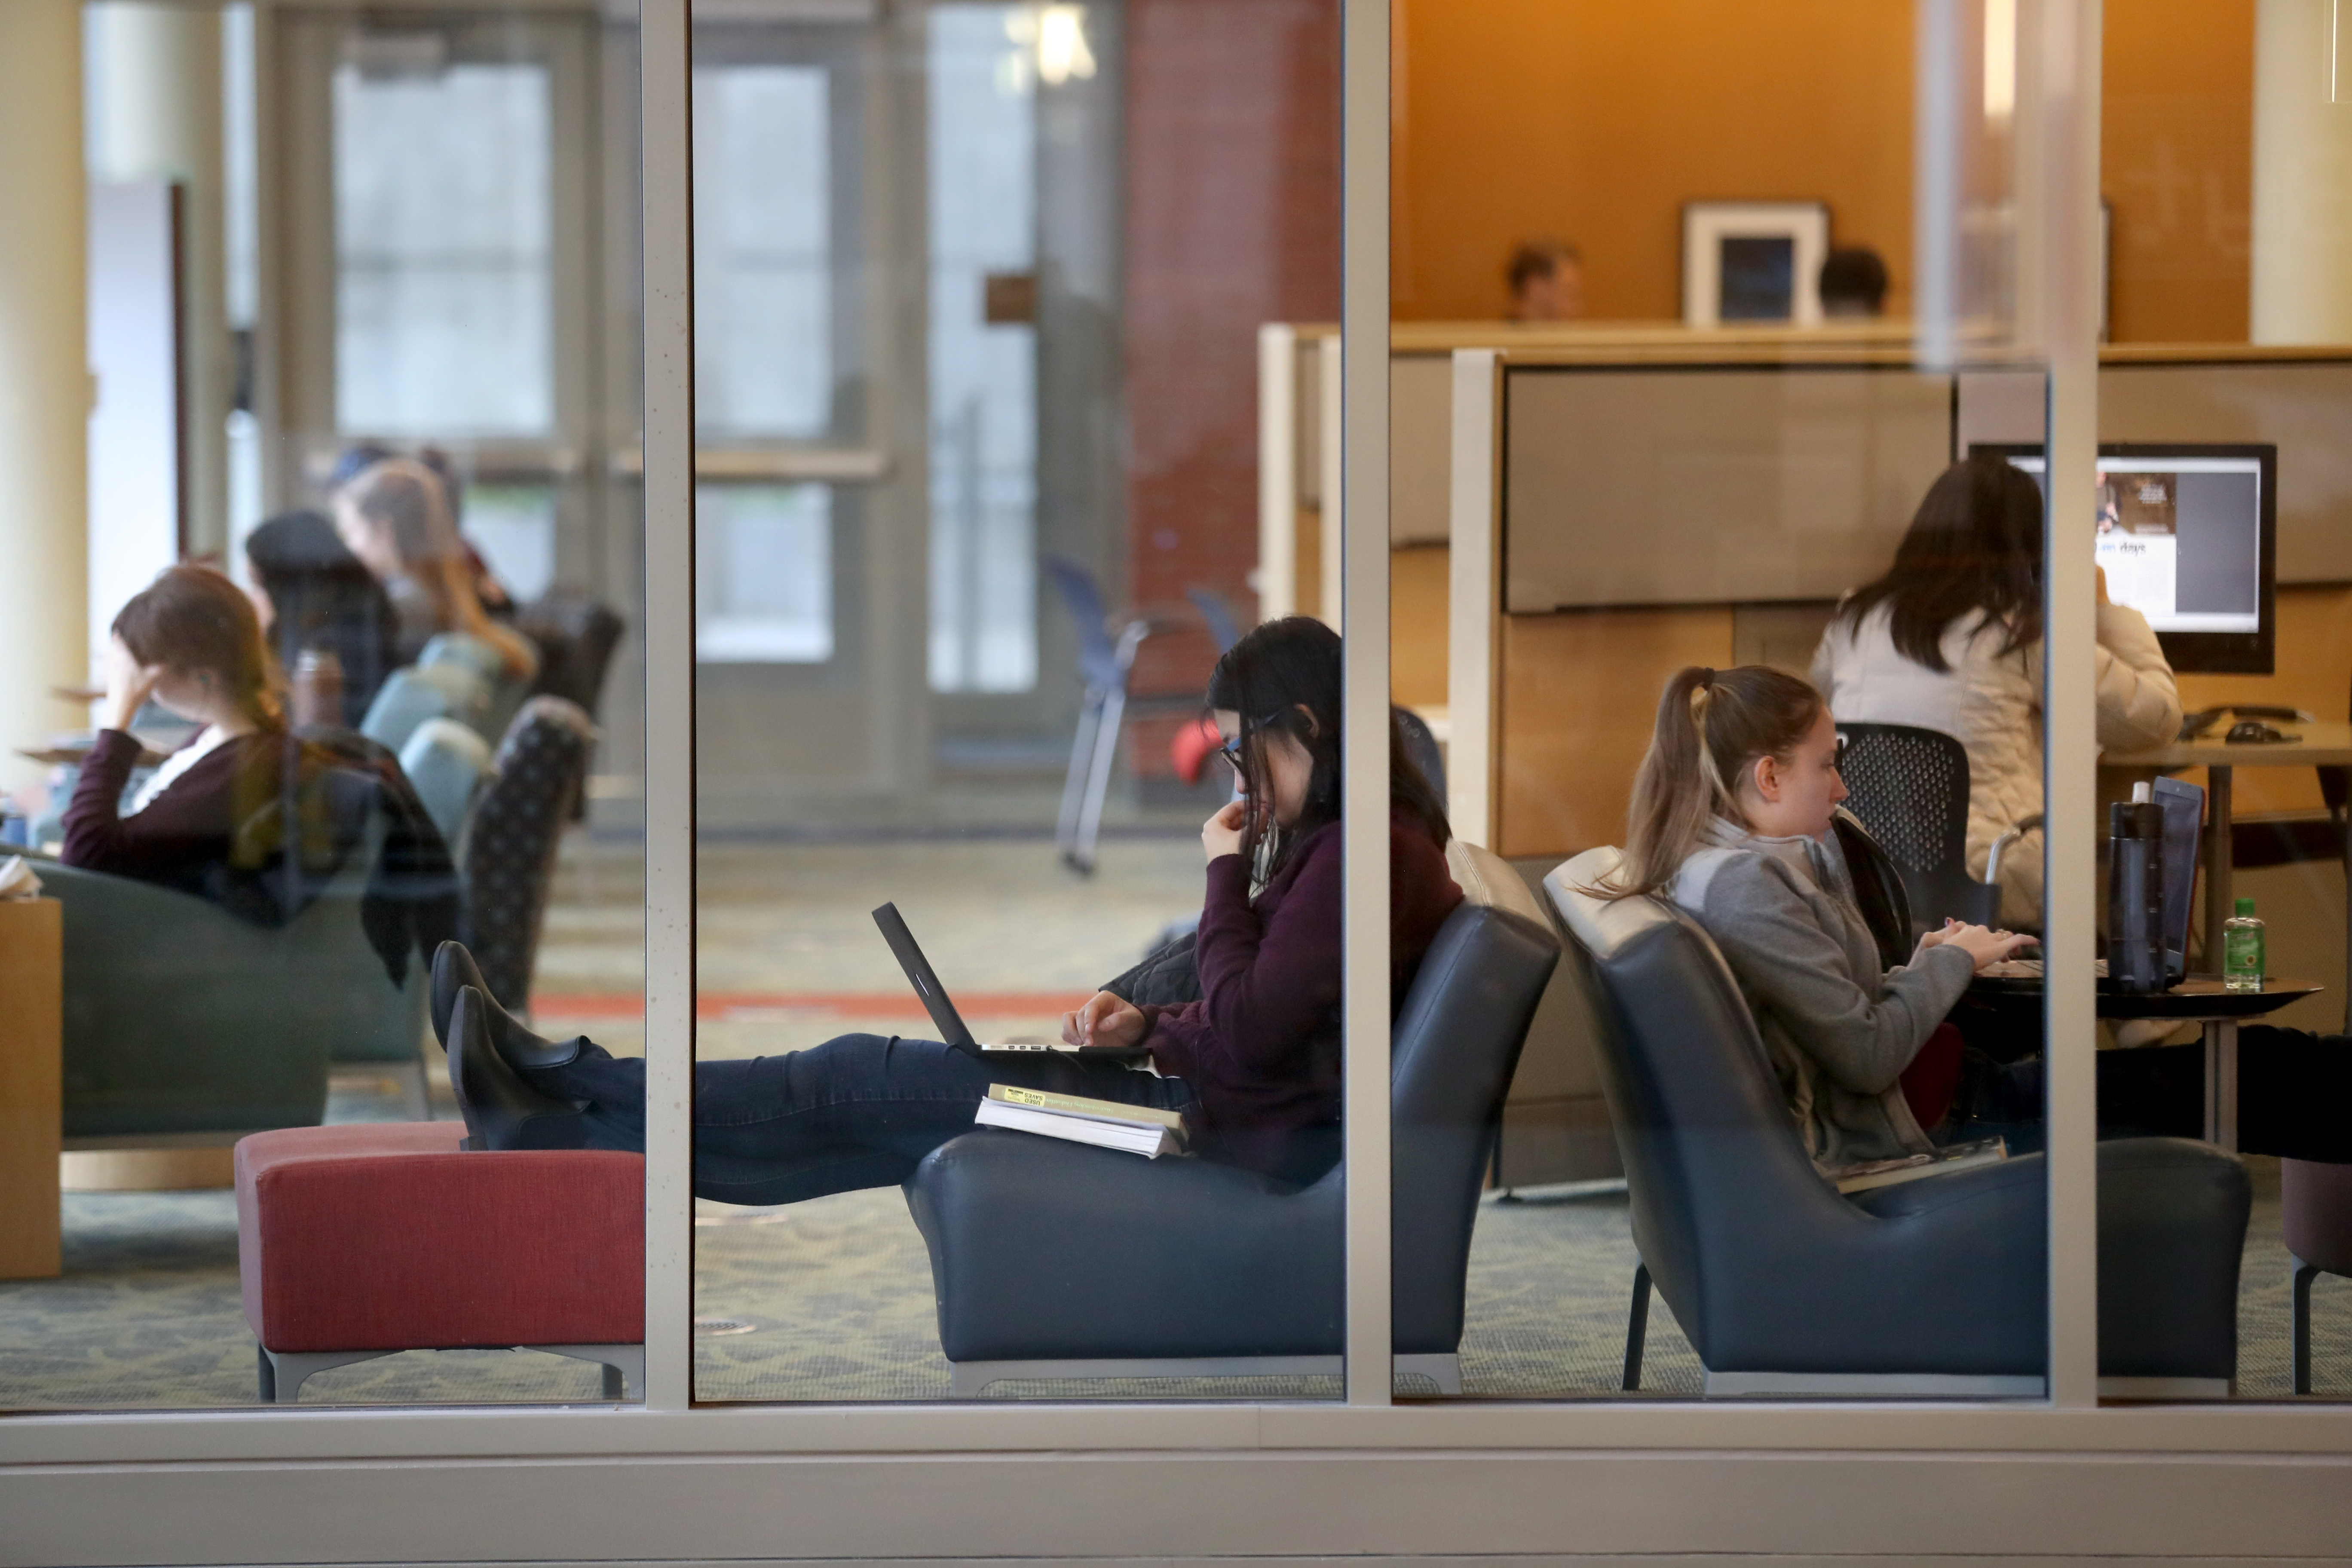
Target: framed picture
1753, 261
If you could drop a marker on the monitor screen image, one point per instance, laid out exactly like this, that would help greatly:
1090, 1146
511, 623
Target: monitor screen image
2185, 537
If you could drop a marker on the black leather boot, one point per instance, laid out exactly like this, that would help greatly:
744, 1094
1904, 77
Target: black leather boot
453, 970
501, 1112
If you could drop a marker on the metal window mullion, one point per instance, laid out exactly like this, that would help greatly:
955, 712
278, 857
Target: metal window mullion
667, 146
2068, 265
1364, 497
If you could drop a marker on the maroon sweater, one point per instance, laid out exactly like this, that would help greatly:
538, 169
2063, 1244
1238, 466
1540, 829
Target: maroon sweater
1261, 1048
183, 838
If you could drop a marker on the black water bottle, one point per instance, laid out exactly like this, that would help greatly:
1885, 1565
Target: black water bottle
2136, 895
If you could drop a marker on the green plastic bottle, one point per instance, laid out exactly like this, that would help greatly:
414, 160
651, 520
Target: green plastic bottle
2241, 950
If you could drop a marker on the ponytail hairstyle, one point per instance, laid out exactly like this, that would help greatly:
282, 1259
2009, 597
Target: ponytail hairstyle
1285, 678
192, 620
1713, 727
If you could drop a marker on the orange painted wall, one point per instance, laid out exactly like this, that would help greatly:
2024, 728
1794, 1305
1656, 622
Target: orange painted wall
2176, 167
1594, 119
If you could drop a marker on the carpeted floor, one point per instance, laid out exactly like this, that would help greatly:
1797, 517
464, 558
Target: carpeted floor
832, 1300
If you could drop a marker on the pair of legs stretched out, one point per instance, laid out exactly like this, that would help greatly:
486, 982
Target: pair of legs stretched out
859, 1111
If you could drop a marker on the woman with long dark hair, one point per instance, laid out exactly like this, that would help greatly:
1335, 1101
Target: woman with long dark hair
315, 595
1255, 1062
1950, 639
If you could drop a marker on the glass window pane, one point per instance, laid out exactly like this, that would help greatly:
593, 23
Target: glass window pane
764, 251
765, 593
1708, 435
983, 345
892, 711
514, 529
386, 709
442, 228
2222, 519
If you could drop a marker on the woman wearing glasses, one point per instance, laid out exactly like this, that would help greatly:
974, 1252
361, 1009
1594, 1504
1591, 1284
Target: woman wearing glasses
1255, 1062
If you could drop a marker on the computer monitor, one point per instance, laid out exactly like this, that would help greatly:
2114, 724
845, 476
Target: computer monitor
2187, 538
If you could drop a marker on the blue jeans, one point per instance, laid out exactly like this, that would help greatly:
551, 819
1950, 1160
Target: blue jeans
859, 1111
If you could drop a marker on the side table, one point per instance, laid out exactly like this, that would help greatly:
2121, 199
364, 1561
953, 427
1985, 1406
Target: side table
32, 1035
2200, 999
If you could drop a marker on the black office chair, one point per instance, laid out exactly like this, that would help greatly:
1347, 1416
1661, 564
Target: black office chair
1421, 745
1052, 1261
1935, 1286
1909, 787
576, 636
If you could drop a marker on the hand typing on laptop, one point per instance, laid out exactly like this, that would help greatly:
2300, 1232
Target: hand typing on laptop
1103, 1020
1983, 946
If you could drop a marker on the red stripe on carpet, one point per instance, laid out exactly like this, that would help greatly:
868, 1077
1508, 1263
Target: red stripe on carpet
721, 1006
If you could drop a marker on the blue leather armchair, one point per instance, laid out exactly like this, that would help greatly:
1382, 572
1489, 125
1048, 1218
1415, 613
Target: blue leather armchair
448, 764
1056, 1260
1932, 1287
411, 694
503, 694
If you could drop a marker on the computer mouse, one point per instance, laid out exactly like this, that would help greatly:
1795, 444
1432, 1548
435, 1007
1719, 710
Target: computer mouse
2255, 733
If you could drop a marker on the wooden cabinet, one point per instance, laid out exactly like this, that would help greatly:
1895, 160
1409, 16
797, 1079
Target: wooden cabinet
32, 1029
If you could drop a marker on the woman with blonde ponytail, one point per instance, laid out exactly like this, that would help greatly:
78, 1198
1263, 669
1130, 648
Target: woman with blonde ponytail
1731, 819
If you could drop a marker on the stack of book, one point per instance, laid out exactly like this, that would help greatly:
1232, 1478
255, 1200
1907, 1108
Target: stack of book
1869, 1173
1106, 1123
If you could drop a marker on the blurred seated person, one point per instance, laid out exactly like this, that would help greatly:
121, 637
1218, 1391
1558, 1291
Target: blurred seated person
1853, 283
212, 820
1731, 818
1547, 278
315, 595
355, 460
1950, 639
394, 518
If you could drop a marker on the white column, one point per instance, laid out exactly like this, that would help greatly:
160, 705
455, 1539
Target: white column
157, 116
1361, 499
1471, 598
44, 391
665, 149
2302, 282
1277, 471
2065, 71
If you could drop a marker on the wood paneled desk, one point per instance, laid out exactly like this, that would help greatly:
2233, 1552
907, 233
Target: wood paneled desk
32, 1030
2319, 745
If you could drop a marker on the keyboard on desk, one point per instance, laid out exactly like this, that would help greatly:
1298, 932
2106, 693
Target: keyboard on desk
2029, 969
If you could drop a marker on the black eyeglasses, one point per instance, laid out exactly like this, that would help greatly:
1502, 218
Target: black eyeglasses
1231, 750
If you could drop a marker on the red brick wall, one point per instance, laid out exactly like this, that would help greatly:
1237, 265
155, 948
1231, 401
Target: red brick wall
1232, 220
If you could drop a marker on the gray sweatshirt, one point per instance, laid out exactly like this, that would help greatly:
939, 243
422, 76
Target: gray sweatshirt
1839, 1033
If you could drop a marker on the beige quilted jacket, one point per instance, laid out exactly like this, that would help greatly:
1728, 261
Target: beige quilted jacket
1992, 703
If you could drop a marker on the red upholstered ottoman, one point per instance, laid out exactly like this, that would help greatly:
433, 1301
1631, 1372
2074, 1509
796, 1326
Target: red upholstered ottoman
365, 1240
